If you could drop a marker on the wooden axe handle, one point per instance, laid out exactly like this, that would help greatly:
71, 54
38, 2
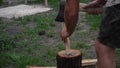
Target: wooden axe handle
68, 44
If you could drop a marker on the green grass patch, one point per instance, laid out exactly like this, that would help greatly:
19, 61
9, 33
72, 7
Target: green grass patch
81, 45
24, 48
94, 21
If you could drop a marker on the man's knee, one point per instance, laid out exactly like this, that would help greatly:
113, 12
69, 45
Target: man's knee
103, 49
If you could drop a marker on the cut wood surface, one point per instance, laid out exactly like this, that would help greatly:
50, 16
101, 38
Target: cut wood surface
85, 62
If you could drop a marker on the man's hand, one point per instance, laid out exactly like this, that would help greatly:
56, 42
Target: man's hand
94, 7
64, 34
71, 18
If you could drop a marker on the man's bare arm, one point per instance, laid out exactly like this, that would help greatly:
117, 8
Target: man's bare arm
71, 15
95, 4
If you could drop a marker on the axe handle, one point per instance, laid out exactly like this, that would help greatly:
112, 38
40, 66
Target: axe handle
68, 45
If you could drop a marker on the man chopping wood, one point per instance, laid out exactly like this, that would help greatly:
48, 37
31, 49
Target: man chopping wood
109, 34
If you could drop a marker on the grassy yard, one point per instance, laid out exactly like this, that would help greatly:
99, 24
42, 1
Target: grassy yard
34, 40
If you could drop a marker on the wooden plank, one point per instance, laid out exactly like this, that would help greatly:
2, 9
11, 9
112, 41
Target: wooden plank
88, 62
85, 62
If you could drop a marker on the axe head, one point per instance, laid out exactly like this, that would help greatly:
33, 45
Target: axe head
60, 16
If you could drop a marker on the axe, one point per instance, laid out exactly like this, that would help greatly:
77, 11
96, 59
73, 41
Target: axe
60, 16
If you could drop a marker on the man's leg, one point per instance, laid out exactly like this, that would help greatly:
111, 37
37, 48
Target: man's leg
105, 55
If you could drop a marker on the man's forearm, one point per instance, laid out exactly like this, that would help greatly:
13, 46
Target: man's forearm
71, 14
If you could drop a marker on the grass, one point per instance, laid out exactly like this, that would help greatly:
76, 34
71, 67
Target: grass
93, 21
16, 50
21, 44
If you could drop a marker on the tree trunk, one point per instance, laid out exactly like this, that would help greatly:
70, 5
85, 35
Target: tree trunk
71, 59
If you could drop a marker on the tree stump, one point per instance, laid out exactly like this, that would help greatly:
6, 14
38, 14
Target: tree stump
71, 59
